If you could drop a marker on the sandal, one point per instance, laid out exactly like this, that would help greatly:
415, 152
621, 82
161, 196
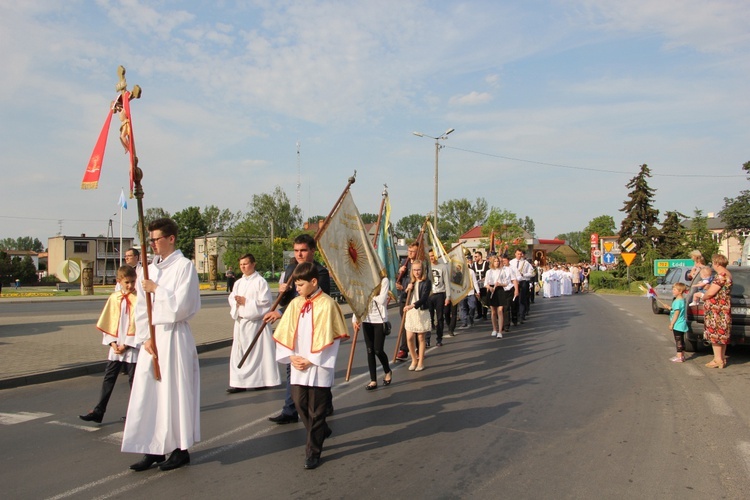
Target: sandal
371, 386
387, 381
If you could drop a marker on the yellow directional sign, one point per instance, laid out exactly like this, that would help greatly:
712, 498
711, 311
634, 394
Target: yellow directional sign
628, 257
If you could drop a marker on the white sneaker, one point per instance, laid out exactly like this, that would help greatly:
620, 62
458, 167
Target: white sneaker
494, 334
693, 304
499, 335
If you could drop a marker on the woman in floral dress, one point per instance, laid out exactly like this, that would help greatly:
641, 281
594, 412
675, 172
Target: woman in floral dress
718, 311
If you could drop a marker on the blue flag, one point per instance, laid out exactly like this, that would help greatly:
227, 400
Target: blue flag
123, 202
387, 249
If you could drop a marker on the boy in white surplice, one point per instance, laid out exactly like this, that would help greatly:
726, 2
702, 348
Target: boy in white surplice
308, 337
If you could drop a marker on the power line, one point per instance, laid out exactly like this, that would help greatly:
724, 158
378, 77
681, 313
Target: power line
56, 220
584, 168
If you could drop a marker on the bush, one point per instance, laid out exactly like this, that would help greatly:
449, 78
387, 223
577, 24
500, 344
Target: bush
605, 279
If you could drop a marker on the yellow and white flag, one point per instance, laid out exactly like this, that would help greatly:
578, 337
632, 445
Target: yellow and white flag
350, 256
458, 279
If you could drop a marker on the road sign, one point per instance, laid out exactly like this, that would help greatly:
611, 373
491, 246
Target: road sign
608, 258
661, 266
628, 257
597, 253
628, 245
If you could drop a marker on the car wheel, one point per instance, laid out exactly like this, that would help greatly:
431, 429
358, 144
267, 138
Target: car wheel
691, 346
655, 307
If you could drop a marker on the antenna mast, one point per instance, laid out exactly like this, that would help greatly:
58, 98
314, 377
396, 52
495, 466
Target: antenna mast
299, 178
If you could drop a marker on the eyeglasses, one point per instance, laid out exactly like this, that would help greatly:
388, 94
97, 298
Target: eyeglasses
154, 240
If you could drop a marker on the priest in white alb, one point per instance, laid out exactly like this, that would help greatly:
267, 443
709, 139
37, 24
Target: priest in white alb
249, 301
164, 415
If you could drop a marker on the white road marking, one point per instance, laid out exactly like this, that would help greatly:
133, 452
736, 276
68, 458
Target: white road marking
115, 438
74, 426
20, 417
718, 404
743, 447
354, 381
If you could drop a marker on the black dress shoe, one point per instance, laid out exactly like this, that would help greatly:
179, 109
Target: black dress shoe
235, 390
284, 419
92, 416
312, 463
147, 462
177, 459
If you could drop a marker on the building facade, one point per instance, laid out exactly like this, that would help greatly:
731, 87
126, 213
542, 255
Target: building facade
100, 253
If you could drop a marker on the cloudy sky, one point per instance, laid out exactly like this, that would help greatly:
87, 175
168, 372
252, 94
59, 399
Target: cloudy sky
555, 104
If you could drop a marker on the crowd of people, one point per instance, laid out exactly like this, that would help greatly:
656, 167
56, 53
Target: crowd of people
145, 323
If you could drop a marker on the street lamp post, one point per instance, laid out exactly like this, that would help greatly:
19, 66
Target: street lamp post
437, 151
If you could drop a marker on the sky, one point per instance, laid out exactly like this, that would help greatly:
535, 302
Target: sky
555, 105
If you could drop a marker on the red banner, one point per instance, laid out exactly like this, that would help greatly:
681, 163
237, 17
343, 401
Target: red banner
94, 168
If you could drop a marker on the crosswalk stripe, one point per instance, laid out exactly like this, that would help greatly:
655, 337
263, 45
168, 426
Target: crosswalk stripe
20, 417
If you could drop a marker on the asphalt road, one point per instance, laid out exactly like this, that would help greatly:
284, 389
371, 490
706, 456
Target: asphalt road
580, 402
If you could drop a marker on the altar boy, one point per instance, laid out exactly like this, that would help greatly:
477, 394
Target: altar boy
308, 337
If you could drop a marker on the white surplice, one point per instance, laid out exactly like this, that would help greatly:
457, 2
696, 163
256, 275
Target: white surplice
165, 415
321, 372
260, 368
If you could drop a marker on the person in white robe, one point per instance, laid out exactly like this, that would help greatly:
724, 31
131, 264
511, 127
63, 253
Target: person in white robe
547, 282
249, 301
556, 277
566, 281
164, 415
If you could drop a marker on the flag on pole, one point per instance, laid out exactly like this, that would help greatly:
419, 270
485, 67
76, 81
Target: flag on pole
94, 167
387, 249
458, 277
351, 259
435, 244
122, 202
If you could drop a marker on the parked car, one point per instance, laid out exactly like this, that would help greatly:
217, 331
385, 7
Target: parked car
740, 305
664, 286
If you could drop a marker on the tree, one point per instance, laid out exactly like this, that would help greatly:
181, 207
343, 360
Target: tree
150, 215
578, 241
508, 234
641, 218
604, 225
409, 227
527, 223
700, 238
369, 218
315, 219
672, 241
275, 208
192, 225
736, 215
218, 220
22, 243
459, 216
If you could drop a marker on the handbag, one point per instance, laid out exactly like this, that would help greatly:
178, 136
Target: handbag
386, 324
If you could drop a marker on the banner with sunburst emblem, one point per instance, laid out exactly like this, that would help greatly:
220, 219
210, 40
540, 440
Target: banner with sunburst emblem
351, 259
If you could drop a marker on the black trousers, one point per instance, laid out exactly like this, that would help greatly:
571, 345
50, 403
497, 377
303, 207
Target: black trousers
110, 378
451, 316
506, 301
437, 305
311, 403
521, 304
374, 334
